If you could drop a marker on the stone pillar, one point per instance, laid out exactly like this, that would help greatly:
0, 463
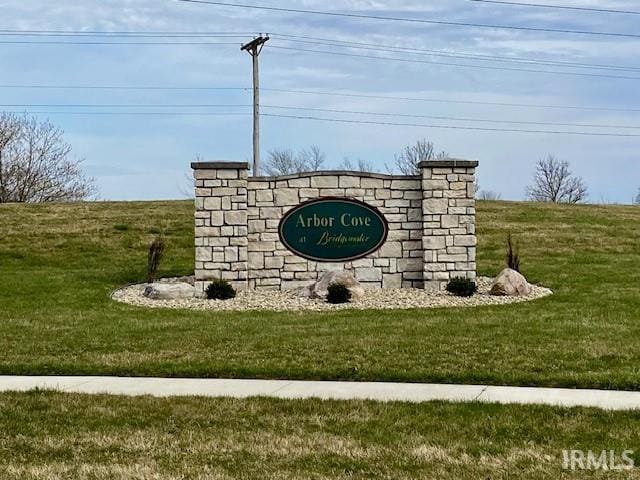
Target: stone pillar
448, 212
221, 223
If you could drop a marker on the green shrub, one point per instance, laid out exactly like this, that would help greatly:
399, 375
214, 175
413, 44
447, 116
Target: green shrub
220, 290
513, 255
338, 293
462, 287
156, 252
121, 227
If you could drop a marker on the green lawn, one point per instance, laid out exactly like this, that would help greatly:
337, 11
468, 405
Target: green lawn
59, 263
48, 436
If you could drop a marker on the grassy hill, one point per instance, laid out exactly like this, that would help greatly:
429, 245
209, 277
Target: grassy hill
59, 263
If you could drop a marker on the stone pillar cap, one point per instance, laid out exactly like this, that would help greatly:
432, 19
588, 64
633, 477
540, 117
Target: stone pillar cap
220, 165
449, 162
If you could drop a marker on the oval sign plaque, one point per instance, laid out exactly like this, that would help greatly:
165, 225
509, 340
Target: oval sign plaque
333, 230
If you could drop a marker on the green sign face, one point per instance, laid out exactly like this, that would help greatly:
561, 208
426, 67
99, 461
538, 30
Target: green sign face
333, 230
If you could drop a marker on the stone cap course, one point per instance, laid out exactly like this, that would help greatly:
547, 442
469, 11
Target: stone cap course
449, 162
335, 173
220, 165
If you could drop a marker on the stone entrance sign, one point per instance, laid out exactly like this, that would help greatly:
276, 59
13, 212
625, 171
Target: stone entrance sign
333, 230
243, 232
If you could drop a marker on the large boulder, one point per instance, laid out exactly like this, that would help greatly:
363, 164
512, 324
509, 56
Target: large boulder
510, 284
320, 288
169, 291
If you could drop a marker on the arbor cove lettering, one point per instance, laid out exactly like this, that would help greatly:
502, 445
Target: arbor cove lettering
346, 220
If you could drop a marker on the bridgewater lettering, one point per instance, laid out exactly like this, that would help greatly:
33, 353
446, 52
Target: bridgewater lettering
341, 239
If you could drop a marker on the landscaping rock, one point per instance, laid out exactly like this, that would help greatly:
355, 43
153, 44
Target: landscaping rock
169, 291
190, 279
510, 284
289, 301
320, 288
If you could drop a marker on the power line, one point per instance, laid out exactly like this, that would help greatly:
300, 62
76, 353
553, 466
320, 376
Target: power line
334, 120
451, 54
194, 114
486, 67
410, 20
312, 109
452, 127
120, 33
337, 120
119, 87
457, 119
286, 37
58, 42
563, 7
121, 105
322, 93
447, 101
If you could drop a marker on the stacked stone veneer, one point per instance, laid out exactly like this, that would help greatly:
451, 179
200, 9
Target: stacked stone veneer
221, 224
431, 221
449, 214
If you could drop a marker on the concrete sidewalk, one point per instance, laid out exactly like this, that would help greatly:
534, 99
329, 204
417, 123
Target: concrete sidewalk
409, 392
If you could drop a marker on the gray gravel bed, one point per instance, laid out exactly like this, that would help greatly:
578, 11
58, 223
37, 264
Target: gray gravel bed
377, 299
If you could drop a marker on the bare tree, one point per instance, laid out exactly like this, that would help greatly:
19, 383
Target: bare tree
9, 130
35, 163
286, 162
280, 162
488, 195
554, 182
637, 199
360, 166
311, 159
408, 160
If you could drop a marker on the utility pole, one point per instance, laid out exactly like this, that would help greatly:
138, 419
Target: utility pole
254, 48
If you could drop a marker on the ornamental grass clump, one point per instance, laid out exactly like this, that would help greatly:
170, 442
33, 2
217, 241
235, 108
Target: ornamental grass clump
462, 287
513, 254
338, 293
156, 252
220, 289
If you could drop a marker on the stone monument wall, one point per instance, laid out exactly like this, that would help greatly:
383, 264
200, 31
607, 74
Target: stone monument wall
431, 219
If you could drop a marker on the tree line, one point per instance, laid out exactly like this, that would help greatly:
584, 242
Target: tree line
36, 165
553, 180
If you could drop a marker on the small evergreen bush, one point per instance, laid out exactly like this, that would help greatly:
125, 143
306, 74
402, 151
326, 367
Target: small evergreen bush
156, 252
462, 287
220, 290
513, 255
338, 293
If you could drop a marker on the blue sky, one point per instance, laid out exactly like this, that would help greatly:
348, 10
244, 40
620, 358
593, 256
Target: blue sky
147, 157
